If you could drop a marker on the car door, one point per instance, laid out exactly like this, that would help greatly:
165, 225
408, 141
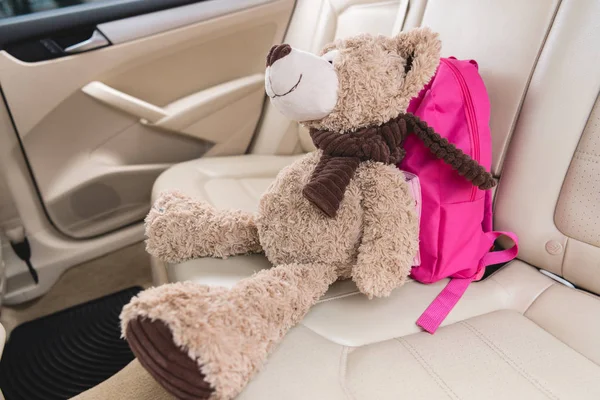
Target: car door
105, 95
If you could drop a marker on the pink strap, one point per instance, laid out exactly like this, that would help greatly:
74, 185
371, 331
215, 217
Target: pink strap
439, 309
498, 257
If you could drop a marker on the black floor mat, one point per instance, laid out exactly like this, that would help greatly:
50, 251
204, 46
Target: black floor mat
63, 354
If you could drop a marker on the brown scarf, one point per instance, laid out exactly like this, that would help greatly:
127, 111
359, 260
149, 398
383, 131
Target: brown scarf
342, 154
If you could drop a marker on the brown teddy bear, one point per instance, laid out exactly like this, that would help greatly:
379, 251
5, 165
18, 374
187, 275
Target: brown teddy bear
343, 211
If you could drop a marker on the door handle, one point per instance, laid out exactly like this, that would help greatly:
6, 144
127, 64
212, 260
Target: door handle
183, 113
124, 102
96, 41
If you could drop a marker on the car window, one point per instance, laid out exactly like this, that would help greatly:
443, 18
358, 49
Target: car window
11, 8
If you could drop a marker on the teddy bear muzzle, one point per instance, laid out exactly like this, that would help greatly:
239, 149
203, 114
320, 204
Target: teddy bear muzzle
301, 85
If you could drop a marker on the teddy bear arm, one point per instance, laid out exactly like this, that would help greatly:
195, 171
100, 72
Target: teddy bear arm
179, 228
390, 232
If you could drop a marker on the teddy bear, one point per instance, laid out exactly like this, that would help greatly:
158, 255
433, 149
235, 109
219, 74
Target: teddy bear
343, 211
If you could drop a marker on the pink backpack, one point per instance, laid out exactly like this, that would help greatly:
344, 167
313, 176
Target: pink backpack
456, 236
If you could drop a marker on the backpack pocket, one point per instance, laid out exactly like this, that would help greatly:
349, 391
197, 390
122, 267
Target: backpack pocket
461, 240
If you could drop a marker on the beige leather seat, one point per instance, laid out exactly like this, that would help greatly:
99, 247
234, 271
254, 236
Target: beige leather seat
516, 334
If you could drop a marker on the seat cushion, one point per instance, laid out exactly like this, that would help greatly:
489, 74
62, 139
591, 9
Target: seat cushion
498, 355
235, 182
514, 344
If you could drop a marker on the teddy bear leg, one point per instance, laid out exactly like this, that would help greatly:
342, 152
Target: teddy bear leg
206, 342
179, 228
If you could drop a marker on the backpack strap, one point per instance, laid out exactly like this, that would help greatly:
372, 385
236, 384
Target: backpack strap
439, 309
502, 256
453, 156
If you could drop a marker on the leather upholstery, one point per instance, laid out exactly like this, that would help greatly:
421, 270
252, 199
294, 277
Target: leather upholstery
505, 37
493, 356
555, 112
225, 182
514, 345
578, 209
515, 333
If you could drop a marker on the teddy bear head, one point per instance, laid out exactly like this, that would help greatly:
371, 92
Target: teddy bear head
355, 82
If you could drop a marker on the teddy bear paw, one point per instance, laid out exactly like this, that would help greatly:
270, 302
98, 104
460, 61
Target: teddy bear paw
188, 337
153, 345
171, 226
380, 285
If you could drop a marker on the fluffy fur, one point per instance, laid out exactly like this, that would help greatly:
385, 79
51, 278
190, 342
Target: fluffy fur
389, 239
222, 233
372, 239
373, 86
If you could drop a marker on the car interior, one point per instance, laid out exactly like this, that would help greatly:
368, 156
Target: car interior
107, 104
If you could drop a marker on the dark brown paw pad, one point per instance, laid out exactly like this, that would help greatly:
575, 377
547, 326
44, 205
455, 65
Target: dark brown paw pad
152, 344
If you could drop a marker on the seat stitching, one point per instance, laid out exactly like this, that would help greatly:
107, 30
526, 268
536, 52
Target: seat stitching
550, 284
491, 278
560, 340
487, 341
428, 368
342, 373
539, 296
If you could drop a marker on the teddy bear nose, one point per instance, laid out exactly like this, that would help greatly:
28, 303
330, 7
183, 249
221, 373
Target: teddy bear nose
277, 52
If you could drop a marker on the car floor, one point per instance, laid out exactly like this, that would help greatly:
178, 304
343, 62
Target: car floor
111, 273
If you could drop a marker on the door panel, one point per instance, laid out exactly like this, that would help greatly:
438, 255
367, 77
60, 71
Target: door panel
121, 31
94, 158
38, 19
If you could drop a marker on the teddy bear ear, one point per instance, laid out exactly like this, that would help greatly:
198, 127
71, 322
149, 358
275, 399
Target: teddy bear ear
329, 47
421, 49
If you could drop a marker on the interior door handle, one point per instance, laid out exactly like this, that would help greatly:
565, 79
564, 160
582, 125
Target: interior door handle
182, 113
96, 41
124, 102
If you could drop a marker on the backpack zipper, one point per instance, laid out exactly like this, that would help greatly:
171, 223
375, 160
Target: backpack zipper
471, 120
